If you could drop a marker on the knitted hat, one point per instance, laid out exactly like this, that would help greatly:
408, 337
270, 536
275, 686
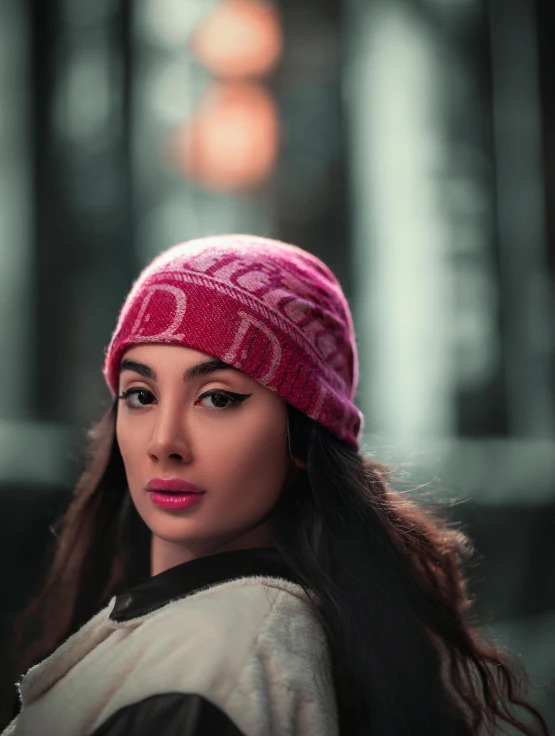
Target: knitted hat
271, 310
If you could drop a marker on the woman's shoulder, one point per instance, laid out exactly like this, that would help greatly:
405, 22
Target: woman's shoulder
244, 649
251, 646
243, 629
233, 614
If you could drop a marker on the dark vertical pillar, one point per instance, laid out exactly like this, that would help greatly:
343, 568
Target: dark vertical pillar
84, 261
48, 269
311, 189
525, 287
545, 23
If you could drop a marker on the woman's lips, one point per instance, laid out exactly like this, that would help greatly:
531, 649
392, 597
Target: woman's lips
173, 493
172, 485
175, 501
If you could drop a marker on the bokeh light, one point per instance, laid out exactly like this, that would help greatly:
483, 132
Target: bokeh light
239, 38
232, 142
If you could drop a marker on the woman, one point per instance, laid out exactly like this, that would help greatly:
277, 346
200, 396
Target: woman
231, 563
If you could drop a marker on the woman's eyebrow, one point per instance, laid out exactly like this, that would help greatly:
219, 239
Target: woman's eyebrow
140, 368
195, 371
204, 368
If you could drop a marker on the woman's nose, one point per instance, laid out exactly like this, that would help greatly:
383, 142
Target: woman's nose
169, 440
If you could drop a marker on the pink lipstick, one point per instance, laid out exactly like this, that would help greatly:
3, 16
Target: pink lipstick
173, 493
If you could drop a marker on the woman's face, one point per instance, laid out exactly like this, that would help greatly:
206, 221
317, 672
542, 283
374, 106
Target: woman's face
218, 429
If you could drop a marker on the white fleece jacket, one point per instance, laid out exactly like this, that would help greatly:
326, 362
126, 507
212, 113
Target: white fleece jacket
251, 646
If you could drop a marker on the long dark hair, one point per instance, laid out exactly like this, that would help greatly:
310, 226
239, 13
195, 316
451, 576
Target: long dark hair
384, 572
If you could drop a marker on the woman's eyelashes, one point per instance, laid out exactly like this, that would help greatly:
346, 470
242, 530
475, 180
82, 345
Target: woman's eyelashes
143, 396
223, 396
137, 398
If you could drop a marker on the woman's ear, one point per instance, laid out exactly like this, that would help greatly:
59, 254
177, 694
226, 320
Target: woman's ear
300, 463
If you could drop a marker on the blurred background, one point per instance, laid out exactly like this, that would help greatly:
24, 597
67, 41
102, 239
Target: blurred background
410, 144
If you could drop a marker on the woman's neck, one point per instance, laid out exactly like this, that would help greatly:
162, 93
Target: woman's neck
169, 554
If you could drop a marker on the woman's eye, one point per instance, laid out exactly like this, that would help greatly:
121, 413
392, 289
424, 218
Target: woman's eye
135, 398
223, 400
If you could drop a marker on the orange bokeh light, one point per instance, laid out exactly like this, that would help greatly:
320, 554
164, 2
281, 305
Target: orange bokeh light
232, 142
239, 38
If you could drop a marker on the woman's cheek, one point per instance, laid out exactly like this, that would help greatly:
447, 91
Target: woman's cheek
133, 447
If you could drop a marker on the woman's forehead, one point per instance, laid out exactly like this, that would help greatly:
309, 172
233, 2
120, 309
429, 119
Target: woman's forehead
160, 350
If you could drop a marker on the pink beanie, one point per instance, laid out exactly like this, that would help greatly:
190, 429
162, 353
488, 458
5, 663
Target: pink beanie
271, 310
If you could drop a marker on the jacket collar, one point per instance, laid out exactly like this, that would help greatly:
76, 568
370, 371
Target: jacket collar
190, 577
